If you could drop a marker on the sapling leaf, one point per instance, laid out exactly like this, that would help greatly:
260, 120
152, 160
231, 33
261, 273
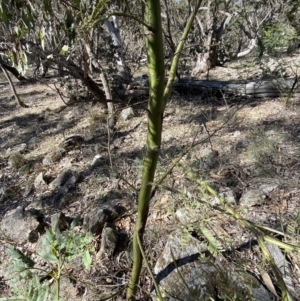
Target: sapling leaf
87, 260
75, 221
48, 256
213, 244
17, 254
50, 236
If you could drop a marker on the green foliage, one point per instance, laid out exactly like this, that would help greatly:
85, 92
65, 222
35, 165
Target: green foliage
25, 284
275, 37
20, 257
35, 291
18, 10
261, 235
63, 247
87, 260
56, 249
214, 246
41, 36
96, 16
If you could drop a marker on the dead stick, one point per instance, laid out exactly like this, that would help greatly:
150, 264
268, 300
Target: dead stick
20, 102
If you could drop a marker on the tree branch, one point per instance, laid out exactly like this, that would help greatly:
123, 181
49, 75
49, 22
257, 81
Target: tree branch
20, 102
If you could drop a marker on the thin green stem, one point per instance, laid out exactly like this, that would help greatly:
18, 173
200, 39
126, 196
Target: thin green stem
158, 96
160, 297
154, 44
178, 52
262, 237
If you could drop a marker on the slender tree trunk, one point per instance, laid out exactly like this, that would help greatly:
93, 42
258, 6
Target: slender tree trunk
114, 31
159, 94
110, 106
209, 58
154, 44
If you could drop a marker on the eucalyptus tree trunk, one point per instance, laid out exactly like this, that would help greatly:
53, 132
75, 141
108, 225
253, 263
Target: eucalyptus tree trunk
211, 35
158, 96
114, 31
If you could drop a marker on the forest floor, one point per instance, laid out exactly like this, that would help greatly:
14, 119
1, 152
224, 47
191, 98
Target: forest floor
255, 142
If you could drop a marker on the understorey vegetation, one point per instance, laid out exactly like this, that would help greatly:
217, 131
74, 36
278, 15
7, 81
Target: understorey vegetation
149, 150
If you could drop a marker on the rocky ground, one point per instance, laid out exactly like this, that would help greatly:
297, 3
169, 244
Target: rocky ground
64, 169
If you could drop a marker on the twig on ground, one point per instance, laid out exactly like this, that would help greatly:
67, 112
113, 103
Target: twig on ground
108, 143
160, 297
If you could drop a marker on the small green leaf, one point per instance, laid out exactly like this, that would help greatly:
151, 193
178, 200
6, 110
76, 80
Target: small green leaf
4, 17
17, 30
50, 237
75, 221
48, 256
213, 244
87, 260
17, 254
64, 49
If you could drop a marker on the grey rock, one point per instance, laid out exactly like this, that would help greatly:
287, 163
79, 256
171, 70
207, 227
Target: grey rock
209, 153
72, 142
181, 258
23, 225
127, 114
55, 156
185, 271
252, 197
71, 182
284, 267
70, 291
109, 195
109, 240
58, 200
97, 160
210, 163
39, 181
32, 141
28, 189
187, 216
66, 178
16, 149
208, 158
95, 220
61, 199
60, 221
227, 194
268, 188
16, 160
142, 80
236, 134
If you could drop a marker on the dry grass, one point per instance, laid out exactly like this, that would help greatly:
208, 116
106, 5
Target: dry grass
258, 142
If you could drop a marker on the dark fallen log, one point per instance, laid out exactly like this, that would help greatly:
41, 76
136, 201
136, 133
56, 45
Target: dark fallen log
259, 88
